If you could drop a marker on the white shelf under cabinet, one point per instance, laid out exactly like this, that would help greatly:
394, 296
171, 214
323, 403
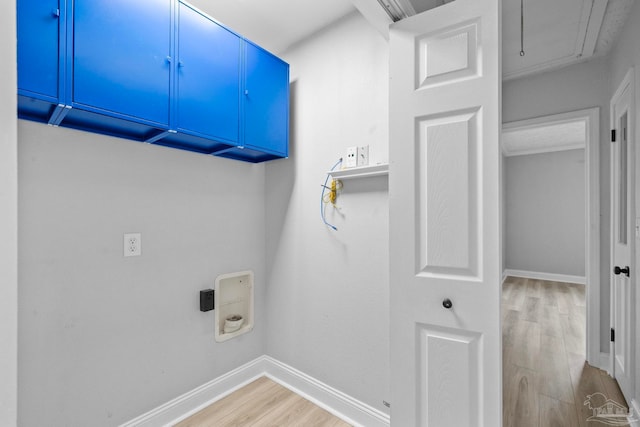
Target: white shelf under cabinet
361, 172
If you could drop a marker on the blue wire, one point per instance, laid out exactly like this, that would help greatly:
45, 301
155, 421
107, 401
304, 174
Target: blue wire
324, 187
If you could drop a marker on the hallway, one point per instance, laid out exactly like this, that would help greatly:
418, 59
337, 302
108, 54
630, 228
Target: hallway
546, 380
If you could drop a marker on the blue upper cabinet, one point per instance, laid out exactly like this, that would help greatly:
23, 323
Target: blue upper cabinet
122, 59
40, 63
208, 76
157, 71
266, 108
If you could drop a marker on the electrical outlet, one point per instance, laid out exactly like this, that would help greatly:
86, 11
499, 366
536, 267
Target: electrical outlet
132, 244
352, 157
363, 156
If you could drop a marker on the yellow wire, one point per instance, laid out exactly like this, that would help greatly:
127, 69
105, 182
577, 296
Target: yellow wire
332, 195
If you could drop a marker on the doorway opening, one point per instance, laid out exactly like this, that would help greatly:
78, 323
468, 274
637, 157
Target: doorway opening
551, 322
588, 120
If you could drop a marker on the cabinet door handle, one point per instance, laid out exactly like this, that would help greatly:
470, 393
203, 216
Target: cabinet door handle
169, 59
180, 64
447, 303
246, 92
55, 13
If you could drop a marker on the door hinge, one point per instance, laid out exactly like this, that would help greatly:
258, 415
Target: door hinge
613, 335
613, 135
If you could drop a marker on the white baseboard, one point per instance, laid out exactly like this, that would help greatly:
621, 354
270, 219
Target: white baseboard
546, 276
604, 362
191, 402
634, 413
634, 407
341, 405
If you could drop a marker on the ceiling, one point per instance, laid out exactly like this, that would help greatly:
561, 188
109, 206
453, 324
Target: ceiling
544, 138
275, 24
557, 33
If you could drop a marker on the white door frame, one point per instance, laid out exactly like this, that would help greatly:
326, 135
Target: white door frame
626, 86
591, 118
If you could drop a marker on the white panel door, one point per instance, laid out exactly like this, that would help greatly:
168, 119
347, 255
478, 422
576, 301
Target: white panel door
444, 216
622, 238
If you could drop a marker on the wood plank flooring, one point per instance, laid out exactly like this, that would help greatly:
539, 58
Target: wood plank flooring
545, 377
263, 403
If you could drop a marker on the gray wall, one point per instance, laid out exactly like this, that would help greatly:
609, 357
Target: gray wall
103, 338
576, 87
333, 285
8, 218
625, 55
545, 212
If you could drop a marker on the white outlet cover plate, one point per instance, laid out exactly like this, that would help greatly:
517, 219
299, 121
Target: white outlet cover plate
132, 244
363, 156
352, 157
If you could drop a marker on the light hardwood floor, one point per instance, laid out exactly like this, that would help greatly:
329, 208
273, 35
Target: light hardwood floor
545, 377
260, 404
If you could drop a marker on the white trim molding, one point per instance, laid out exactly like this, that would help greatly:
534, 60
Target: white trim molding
339, 404
634, 413
605, 364
345, 407
199, 398
546, 276
626, 89
634, 407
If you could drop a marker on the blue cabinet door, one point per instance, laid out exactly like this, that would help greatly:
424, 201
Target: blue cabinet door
208, 92
122, 58
41, 45
38, 47
266, 101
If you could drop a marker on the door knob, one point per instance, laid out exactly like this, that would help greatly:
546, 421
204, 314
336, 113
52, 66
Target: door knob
447, 303
618, 270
